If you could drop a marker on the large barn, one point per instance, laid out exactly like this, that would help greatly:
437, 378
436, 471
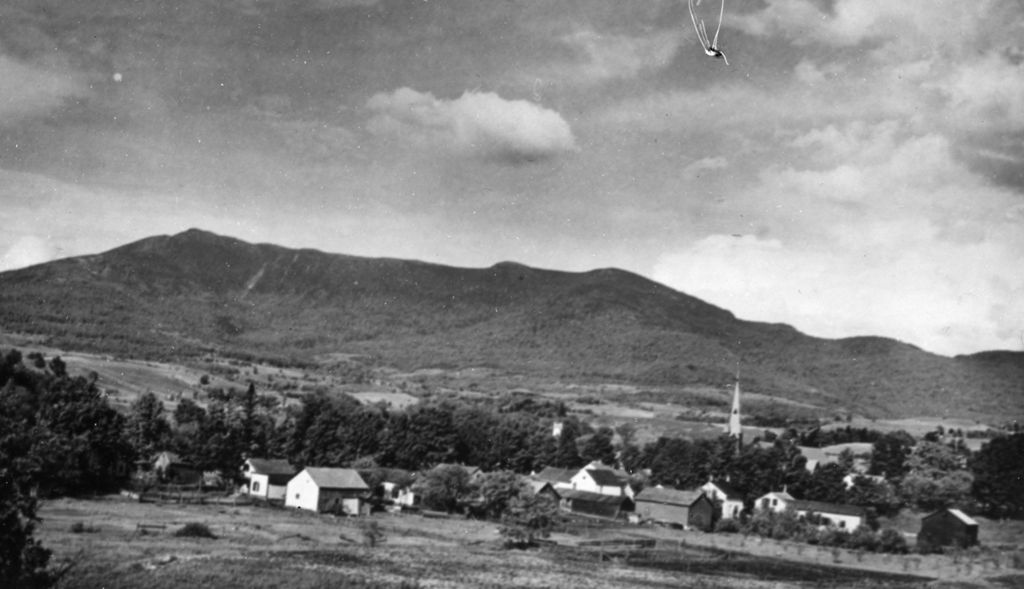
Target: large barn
327, 490
947, 527
687, 509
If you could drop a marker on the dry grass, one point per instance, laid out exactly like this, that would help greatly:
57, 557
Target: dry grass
262, 548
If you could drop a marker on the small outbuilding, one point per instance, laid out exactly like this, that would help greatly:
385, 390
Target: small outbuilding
327, 490
687, 509
947, 527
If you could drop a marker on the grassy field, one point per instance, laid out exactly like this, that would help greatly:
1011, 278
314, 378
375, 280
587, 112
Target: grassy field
259, 547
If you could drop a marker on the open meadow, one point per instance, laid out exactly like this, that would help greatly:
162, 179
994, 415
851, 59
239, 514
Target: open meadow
118, 543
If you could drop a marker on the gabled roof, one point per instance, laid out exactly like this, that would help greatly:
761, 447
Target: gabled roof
779, 495
472, 471
537, 486
669, 496
966, 519
726, 489
271, 466
592, 497
556, 475
605, 478
820, 507
337, 478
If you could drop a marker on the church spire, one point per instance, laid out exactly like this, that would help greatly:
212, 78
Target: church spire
735, 427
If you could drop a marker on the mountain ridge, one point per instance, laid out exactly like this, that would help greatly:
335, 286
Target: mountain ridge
185, 294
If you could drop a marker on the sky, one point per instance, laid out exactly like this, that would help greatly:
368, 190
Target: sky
856, 169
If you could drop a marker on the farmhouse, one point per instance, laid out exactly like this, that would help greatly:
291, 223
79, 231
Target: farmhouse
730, 499
267, 478
947, 527
597, 478
688, 509
594, 504
775, 501
560, 478
326, 490
846, 517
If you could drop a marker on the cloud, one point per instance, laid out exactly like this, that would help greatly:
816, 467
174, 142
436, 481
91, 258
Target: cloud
27, 251
948, 299
477, 123
697, 168
607, 57
911, 23
30, 90
883, 232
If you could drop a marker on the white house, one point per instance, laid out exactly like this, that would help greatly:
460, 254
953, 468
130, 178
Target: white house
267, 478
326, 490
730, 498
774, 501
846, 517
596, 478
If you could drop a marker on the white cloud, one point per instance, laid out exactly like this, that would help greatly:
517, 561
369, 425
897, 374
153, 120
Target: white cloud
894, 237
29, 90
27, 251
921, 24
476, 123
606, 57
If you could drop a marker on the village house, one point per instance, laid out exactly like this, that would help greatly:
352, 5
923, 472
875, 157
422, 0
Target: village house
170, 468
560, 478
730, 499
267, 479
845, 517
395, 486
544, 489
947, 527
598, 478
327, 490
686, 509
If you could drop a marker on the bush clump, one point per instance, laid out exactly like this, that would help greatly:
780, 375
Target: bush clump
195, 530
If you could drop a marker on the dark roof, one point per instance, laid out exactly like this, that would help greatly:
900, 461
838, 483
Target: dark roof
605, 478
827, 508
669, 496
470, 470
556, 475
592, 497
729, 490
959, 515
271, 466
337, 478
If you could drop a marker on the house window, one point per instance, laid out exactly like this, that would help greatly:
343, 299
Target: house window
296, 495
775, 502
842, 524
255, 486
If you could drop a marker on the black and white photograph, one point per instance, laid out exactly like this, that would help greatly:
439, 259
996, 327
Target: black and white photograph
410, 294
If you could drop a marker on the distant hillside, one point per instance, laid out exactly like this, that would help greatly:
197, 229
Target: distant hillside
170, 297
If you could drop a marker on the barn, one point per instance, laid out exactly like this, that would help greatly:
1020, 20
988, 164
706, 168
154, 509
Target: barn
594, 504
947, 527
327, 490
687, 509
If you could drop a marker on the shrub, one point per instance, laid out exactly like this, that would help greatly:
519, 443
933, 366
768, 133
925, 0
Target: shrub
81, 528
195, 530
863, 538
890, 540
727, 526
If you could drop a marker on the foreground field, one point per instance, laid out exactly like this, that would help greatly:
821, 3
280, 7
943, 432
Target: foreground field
258, 547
